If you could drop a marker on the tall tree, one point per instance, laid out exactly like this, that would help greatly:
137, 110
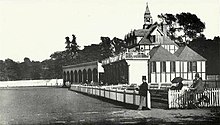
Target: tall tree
119, 45
183, 27
106, 47
71, 46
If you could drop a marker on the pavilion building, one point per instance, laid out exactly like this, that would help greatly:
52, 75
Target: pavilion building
150, 54
153, 55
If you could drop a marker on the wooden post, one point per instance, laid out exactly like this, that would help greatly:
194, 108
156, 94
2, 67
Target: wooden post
116, 94
134, 97
109, 93
148, 100
169, 100
124, 96
104, 92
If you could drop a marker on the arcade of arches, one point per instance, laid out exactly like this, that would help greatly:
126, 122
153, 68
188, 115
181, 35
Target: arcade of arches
79, 76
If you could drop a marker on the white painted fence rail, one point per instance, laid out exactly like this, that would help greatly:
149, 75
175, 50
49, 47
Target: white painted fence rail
124, 96
30, 83
179, 99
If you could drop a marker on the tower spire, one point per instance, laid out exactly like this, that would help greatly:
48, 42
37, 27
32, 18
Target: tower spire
147, 17
147, 11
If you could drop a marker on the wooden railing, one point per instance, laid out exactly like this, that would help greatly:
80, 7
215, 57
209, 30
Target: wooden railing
124, 96
180, 98
126, 55
32, 83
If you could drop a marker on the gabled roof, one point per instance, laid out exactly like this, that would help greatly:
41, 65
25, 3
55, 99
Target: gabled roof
145, 32
187, 54
145, 41
141, 32
168, 41
161, 54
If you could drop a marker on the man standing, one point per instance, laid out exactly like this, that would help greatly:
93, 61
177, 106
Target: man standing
143, 88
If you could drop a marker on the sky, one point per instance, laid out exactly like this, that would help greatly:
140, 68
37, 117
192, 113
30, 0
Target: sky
37, 28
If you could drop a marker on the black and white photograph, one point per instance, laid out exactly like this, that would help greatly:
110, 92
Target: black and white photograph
109, 62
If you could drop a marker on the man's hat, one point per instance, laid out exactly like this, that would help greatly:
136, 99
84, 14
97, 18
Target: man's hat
197, 75
144, 78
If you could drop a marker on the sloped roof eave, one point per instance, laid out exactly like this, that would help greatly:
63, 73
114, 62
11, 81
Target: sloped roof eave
161, 54
187, 54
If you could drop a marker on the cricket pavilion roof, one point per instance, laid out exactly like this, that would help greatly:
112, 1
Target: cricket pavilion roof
146, 33
161, 54
187, 54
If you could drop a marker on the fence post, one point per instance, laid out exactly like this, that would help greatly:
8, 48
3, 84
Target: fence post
109, 93
134, 97
116, 94
92, 89
104, 92
169, 100
124, 94
148, 100
159, 85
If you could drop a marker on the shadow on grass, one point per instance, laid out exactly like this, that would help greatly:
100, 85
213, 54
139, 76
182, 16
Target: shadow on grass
117, 103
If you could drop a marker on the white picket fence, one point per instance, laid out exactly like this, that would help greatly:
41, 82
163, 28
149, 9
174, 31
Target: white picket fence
180, 99
124, 96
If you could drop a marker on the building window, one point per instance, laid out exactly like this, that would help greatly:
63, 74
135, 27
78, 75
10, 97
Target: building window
172, 66
192, 66
153, 66
163, 66
153, 38
189, 67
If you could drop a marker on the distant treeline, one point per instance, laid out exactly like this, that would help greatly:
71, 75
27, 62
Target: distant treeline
52, 68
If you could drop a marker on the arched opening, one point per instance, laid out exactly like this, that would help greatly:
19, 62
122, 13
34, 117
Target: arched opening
75, 75
84, 75
64, 77
89, 75
68, 76
95, 75
71, 77
80, 76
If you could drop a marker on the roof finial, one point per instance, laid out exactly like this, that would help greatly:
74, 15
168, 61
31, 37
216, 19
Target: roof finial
147, 11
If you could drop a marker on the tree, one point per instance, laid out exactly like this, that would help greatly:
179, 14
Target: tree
111, 47
25, 69
183, 27
170, 21
106, 47
12, 72
72, 48
119, 45
36, 70
209, 49
3, 76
